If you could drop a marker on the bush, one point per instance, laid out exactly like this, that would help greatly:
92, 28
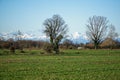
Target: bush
12, 49
48, 48
22, 51
71, 47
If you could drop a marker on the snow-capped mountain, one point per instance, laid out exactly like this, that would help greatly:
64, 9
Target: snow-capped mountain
24, 36
76, 37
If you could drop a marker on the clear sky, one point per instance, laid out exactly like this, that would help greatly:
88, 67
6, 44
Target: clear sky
29, 15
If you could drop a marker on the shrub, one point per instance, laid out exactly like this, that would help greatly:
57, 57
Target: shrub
22, 51
48, 48
12, 49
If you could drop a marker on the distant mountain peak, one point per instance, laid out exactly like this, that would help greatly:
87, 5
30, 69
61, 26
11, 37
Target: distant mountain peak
78, 37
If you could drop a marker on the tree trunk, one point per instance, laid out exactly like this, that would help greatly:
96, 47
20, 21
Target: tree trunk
56, 48
95, 45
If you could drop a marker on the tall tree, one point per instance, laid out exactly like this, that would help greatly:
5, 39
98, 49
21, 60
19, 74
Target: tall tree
112, 35
96, 29
55, 29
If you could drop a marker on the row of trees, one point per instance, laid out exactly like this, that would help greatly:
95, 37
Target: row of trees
66, 44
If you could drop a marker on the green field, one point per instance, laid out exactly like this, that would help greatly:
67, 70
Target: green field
69, 65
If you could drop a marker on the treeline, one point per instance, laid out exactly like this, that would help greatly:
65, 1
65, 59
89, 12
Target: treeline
66, 44
108, 43
20, 44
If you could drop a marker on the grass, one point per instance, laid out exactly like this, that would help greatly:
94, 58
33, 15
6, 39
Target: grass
69, 65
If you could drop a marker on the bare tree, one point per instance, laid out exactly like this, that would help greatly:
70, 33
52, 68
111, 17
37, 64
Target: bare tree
67, 44
96, 29
112, 35
18, 35
55, 29
18, 38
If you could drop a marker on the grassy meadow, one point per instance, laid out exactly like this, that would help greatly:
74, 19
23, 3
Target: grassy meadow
68, 65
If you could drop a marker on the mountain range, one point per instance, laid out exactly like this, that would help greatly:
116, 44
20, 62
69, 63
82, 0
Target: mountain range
76, 37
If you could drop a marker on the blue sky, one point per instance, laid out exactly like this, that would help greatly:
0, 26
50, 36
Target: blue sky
29, 15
